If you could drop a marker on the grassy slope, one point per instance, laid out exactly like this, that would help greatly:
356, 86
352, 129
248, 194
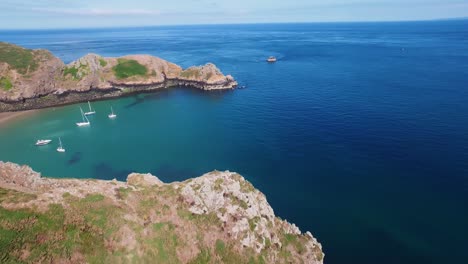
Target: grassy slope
89, 229
190, 73
18, 58
127, 68
5, 83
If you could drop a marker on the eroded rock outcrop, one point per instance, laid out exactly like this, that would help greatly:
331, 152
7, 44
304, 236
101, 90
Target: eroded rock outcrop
216, 218
35, 78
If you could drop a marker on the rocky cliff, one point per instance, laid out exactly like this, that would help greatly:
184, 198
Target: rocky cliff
216, 218
35, 78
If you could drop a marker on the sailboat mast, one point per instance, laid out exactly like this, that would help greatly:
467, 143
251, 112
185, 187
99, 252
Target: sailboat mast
82, 114
89, 104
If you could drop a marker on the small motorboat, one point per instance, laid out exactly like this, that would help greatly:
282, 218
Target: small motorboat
271, 59
42, 142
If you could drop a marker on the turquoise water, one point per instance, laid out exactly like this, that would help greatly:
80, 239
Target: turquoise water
359, 133
152, 133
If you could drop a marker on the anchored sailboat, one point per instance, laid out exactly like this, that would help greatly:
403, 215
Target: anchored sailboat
60, 148
85, 120
112, 115
91, 111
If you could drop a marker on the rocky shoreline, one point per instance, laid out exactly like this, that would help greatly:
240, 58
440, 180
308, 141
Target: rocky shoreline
60, 98
45, 81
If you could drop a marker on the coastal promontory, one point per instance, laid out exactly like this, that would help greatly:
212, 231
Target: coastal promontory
216, 218
32, 79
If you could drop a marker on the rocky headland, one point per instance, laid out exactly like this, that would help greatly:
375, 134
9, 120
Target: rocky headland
216, 218
31, 79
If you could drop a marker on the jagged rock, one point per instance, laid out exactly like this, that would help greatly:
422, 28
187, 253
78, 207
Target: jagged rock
50, 82
144, 180
228, 206
230, 196
21, 176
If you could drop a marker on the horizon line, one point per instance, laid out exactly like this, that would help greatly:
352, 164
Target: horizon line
247, 23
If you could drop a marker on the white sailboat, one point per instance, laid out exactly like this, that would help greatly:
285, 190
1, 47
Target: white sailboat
91, 111
112, 115
42, 142
60, 148
85, 120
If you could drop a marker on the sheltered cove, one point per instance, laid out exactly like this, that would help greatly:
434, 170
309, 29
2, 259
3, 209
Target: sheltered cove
216, 218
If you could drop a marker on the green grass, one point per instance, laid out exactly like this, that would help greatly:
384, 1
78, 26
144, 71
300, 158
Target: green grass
217, 184
162, 247
185, 214
189, 73
296, 241
5, 83
73, 71
123, 193
241, 203
220, 247
253, 223
93, 198
77, 73
102, 62
229, 255
246, 187
12, 196
203, 257
49, 235
92, 228
18, 58
126, 68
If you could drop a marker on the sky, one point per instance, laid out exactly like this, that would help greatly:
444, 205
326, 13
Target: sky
31, 14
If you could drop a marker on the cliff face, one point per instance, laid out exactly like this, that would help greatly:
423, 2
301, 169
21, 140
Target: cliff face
35, 78
216, 218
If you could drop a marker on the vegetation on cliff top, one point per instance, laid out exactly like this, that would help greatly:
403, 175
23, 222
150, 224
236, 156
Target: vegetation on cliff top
191, 72
126, 68
76, 232
102, 62
18, 58
73, 71
77, 73
5, 83
143, 220
94, 230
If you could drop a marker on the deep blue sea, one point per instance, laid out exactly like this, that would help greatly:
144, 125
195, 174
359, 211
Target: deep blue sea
359, 133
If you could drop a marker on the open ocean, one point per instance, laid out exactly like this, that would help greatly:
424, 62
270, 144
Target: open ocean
359, 133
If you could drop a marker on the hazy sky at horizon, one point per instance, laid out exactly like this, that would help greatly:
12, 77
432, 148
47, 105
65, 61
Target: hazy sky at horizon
109, 13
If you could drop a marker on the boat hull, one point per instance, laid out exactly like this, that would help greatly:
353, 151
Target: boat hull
43, 142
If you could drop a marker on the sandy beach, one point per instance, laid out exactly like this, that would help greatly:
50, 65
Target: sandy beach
6, 117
